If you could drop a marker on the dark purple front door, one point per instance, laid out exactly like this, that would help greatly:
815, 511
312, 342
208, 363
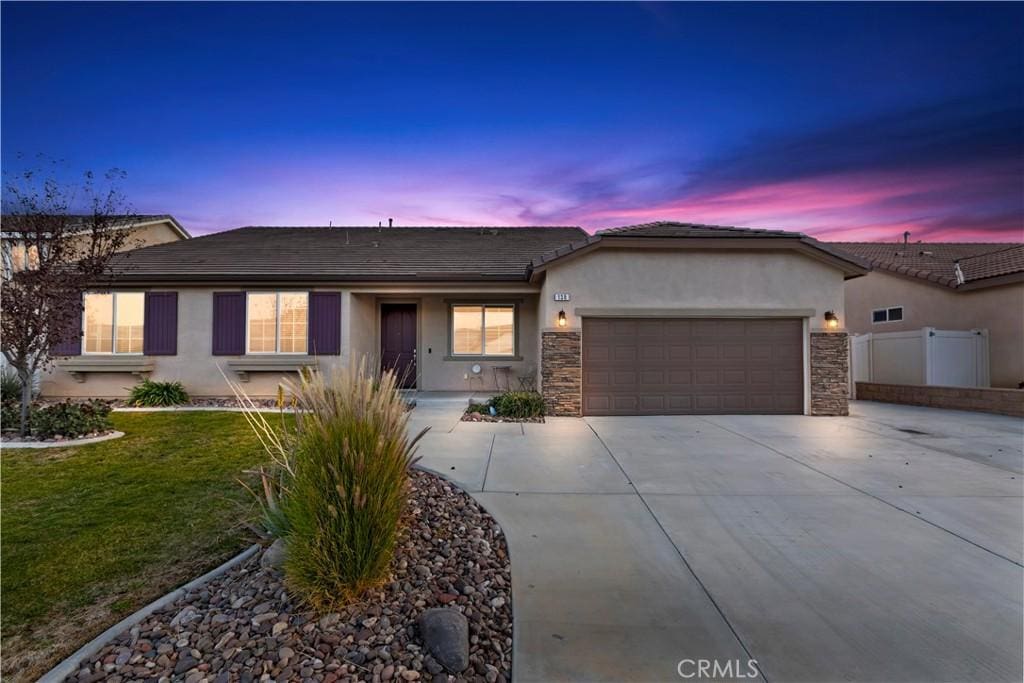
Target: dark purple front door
398, 342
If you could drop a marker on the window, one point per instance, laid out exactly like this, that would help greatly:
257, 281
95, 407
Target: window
19, 257
114, 322
277, 322
887, 315
483, 330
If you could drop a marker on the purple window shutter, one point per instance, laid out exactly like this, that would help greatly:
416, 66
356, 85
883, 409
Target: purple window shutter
324, 323
228, 323
160, 336
71, 345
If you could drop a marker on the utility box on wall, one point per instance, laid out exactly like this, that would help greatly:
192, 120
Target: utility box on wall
949, 358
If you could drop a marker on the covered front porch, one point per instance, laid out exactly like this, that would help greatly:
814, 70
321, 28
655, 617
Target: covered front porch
470, 339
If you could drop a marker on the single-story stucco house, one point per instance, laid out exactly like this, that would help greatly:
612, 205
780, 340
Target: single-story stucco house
660, 318
946, 285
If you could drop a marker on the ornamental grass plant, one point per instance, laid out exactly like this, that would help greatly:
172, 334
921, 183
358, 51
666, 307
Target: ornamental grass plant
339, 483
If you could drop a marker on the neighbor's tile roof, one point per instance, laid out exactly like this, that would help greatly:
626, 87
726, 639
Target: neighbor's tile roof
348, 253
935, 262
993, 264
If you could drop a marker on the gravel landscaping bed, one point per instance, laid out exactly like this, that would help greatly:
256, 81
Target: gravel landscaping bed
244, 625
483, 417
224, 402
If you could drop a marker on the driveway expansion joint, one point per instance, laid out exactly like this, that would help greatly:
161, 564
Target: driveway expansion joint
682, 557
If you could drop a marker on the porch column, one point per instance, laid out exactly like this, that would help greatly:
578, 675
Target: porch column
561, 373
830, 373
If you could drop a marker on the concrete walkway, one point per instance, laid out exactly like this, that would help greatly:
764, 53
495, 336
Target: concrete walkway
884, 546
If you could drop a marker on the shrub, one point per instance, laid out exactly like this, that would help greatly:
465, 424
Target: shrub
518, 404
70, 420
10, 415
338, 484
10, 386
150, 393
479, 408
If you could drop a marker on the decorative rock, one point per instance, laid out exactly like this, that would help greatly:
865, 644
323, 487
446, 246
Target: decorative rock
273, 557
445, 632
214, 639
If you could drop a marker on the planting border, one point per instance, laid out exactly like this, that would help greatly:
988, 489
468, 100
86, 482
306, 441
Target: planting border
66, 443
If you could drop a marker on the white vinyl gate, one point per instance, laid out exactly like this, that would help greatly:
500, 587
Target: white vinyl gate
949, 358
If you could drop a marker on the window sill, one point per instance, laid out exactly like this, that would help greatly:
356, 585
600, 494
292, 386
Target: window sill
489, 359
270, 362
80, 367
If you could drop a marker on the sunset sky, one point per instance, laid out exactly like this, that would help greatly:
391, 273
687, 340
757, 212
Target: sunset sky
848, 122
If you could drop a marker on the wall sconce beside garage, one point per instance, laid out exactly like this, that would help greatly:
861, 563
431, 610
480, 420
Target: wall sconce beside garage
831, 320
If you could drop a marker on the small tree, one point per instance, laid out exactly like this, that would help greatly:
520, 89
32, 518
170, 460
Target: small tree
52, 254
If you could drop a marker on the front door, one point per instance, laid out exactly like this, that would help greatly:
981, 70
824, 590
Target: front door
398, 342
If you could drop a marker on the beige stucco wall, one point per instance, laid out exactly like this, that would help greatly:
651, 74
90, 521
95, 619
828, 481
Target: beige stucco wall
689, 279
196, 367
1000, 310
436, 369
155, 233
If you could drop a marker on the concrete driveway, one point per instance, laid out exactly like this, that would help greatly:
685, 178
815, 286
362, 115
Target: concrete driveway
886, 546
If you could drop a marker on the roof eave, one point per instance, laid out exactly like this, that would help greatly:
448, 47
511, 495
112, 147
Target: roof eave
850, 266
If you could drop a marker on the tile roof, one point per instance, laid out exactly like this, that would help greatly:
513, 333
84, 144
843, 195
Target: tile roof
935, 262
348, 253
675, 230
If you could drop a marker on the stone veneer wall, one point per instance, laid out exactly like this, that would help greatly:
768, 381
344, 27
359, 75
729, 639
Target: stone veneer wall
986, 400
561, 372
830, 373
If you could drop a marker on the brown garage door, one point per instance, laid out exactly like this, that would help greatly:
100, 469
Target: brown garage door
679, 366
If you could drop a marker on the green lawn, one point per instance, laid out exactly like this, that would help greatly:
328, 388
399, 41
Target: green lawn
90, 534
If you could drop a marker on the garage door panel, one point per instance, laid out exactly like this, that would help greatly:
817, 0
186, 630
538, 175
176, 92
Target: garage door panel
706, 352
649, 352
679, 366
735, 377
680, 377
733, 352
677, 352
621, 352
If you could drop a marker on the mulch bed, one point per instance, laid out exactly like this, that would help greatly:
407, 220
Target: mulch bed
244, 624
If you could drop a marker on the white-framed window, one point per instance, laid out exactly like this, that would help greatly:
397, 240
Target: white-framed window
276, 322
891, 314
113, 322
483, 329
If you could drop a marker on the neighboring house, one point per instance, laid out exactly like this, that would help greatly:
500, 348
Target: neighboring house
956, 286
662, 318
146, 230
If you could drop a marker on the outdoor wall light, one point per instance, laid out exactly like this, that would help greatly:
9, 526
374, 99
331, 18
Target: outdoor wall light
831, 320
561, 319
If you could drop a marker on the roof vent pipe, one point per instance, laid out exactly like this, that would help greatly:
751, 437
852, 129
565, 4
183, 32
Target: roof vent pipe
960, 279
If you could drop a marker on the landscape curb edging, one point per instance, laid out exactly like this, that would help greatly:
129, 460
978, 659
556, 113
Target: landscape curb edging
71, 663
199, 409
67, 443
